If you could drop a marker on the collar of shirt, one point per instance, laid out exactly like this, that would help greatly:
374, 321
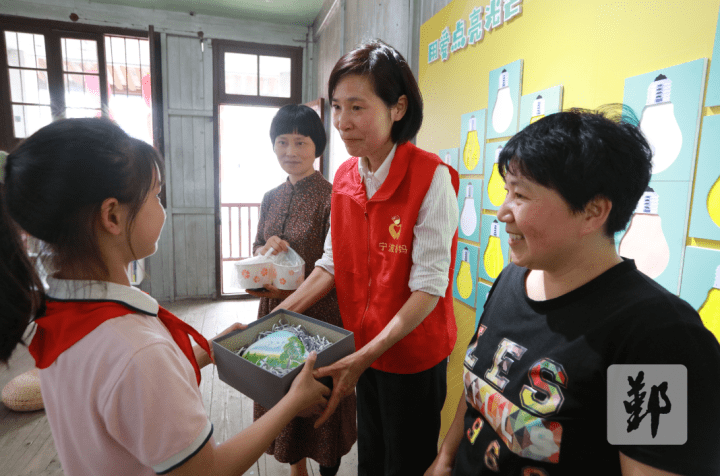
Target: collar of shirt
374, 180
305, 182
80, 290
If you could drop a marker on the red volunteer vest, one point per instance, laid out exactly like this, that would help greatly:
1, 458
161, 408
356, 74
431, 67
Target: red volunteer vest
372, 244
66, 322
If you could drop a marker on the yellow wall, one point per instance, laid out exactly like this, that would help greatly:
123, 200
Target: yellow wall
590, 47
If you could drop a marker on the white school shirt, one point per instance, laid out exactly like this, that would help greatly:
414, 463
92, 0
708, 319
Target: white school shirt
124, 399
433, 232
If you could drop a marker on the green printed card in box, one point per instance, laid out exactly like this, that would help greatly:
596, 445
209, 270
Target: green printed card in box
259, 384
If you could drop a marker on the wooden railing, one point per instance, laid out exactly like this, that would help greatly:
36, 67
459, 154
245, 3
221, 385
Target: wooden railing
239, 225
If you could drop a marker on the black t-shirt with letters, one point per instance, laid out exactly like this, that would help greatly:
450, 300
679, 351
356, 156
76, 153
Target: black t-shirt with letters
535, 377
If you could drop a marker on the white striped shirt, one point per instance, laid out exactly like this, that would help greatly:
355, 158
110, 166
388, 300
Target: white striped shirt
432, 236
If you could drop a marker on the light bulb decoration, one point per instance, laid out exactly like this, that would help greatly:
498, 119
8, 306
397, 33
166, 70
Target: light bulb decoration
493, 257
713, 202
447, 158
471, 152
464, 277
710, 310
496, 184
538, 109
659, 125
468, 217
644, 240
503, 109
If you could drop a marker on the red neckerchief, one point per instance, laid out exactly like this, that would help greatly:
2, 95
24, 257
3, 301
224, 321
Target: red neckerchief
66, 322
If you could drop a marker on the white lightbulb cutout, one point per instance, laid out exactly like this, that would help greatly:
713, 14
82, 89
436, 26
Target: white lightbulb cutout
503, 109
659, 125
644, 241
447, 158
538, 109
468, 217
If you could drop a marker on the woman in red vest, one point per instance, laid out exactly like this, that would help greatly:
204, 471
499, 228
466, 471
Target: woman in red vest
389, 254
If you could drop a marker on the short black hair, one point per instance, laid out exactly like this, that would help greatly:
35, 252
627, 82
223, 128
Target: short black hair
584, 154
299, 119
390, 76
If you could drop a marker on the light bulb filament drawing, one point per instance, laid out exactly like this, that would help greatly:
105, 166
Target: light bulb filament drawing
493, 258
464, 277
468, 217
503, 110
471, 151
538, 110
660, 126
496, 184
644, 240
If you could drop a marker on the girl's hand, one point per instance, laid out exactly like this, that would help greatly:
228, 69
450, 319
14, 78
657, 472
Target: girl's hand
274, 243
270, 292
305, 390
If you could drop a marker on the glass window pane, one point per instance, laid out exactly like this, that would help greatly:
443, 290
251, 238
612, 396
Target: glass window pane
89, 56
119, 79
82, 90
72, 55
117, 45
275, 76
43, 89
30, 86
19, 121
16, 93
108, 51
130, 104
241, 74
12, 48
145, 53
40, 51
28, 119
26, 47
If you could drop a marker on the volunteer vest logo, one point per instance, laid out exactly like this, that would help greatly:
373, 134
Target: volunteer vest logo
395, 227
526, 428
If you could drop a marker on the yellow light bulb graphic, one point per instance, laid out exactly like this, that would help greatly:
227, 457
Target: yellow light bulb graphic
710, 310
713, 202
471, 152
493, 257
464, 277
644, 240
496, 184
659, 125
538, 110
503, 110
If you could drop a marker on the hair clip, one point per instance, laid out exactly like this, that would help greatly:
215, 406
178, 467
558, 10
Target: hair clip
3, 164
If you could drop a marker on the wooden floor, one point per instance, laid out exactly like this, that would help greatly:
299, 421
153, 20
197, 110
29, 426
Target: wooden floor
27, 447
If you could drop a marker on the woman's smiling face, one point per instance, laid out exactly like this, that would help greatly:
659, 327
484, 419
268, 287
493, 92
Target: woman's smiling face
362, 118
542, 227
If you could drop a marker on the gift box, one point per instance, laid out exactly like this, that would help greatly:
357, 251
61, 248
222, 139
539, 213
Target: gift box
259, 384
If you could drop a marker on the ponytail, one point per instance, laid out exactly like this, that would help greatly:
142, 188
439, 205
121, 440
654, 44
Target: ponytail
21, 290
